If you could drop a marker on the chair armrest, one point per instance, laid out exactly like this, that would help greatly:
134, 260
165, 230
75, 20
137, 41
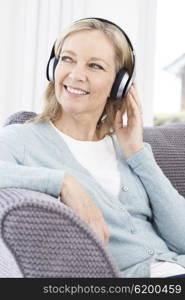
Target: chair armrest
43, 238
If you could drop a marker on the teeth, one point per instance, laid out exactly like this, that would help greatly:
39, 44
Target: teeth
74, 91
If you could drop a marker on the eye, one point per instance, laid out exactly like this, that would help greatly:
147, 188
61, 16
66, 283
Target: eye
66, 58
96, 66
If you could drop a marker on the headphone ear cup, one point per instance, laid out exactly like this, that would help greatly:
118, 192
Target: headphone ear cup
119, 87
50, 70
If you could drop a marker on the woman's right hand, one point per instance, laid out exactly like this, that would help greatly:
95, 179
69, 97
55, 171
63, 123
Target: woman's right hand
74, 195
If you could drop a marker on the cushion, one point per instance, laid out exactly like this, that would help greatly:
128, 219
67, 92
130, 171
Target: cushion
168, 146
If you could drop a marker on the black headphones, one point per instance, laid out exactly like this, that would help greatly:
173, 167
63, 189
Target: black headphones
122, 81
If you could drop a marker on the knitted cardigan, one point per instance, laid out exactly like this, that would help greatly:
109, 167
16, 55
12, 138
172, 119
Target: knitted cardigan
146, 222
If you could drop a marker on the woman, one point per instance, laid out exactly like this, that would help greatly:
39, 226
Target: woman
79, 151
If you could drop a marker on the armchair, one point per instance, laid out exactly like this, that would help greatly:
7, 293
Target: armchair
41, 237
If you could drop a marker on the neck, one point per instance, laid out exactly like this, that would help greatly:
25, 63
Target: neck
78, 128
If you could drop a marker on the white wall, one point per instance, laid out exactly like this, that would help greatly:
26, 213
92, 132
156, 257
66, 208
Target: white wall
29, 27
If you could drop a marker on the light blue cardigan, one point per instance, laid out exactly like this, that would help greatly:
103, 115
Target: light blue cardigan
147, 221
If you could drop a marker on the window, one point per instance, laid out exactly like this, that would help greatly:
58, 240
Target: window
169, 86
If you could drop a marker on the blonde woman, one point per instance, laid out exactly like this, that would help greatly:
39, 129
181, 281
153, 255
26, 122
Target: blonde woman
80, 151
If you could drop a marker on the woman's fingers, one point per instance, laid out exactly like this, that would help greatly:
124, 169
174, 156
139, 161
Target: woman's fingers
134, 93
101, 229
106, 234
118, 123
133, 109
97, 229
134, 114
130, 137
95, 220
75, 196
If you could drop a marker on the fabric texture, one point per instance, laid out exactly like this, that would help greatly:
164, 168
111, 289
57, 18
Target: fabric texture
168, 146
130, 216
44, 238
19, 117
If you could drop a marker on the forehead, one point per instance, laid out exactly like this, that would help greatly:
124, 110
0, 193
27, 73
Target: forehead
92, 43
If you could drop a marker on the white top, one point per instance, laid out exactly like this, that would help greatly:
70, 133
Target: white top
165, 269
99, 158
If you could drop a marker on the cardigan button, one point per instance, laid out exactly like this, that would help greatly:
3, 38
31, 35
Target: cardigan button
125, 188
150, 251
121, 207
174, 258
133, 230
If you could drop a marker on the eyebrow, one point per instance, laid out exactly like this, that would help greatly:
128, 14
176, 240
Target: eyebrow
92, 58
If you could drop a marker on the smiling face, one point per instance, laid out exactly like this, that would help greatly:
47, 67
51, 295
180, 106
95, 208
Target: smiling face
85, 73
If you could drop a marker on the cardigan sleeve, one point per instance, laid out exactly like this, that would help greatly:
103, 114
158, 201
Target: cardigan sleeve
168, 206
13, 172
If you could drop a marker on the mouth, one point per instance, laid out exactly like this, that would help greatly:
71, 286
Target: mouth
75, 90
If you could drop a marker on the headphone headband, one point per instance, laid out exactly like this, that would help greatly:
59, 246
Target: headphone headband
110, 22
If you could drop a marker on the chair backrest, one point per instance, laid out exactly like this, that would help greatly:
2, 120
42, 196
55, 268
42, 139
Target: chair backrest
19, 117
168, 146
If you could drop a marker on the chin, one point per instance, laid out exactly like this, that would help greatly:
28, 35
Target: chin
70, 107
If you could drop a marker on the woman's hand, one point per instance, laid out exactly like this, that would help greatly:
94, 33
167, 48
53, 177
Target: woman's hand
75, 196
130, 136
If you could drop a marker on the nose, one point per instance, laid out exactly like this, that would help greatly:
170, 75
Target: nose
78, 73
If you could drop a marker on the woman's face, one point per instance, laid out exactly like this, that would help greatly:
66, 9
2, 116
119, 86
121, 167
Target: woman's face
85, 73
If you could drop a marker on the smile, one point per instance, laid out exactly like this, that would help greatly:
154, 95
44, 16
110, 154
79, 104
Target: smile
76, 91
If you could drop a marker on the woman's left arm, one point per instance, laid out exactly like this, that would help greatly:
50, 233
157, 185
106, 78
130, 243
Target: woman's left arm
167, 204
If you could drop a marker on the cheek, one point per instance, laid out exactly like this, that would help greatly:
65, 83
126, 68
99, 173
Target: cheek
59, 77
60, 74
104, 86
57, 89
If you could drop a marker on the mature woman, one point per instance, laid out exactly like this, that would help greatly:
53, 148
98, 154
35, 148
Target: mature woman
80, 151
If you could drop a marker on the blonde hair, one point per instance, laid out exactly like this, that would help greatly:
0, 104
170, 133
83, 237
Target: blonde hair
123, 58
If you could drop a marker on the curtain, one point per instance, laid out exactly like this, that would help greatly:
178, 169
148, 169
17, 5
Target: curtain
28, 31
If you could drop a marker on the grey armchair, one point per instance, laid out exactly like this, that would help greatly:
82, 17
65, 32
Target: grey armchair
41, 237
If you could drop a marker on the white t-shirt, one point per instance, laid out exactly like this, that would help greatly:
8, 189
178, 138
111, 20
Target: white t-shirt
165, 269
99, 158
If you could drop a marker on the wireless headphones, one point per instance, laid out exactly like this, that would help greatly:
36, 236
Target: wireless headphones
122, 81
